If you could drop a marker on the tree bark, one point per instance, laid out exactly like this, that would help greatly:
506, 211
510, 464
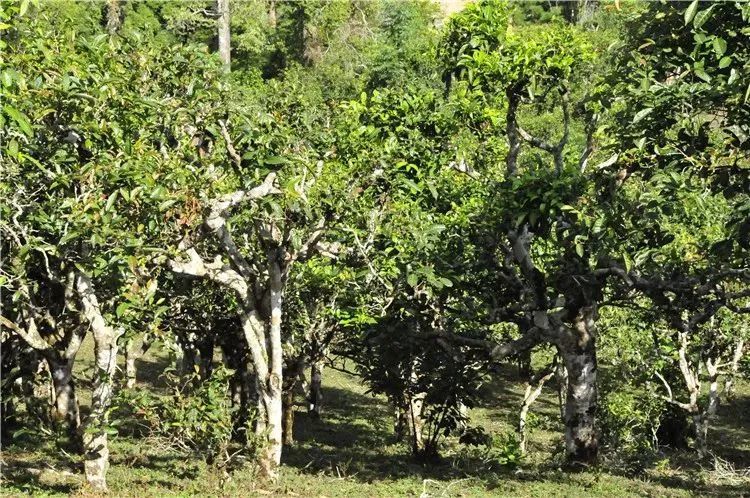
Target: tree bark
561, 378
702, 419
270, 457
272, 13
114, 16
96, 449
130, 370
316, 392
65, 402
511, 130
294, 378
416, 423
288, 408
38, 390
734, 368
579, 355
188, 360
415, 402
224, 31
533, 390
134, 351
400, 420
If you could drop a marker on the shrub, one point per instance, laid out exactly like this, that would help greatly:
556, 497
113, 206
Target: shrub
630, 419
195, 416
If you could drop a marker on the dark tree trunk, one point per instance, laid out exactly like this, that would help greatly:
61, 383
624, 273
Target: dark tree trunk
579, 355
400, 421
288, 424
316, 393
65, 408
524, 364
206, 351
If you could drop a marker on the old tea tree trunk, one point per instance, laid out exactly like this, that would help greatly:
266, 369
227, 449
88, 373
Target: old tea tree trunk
579, 354
96, 450
224, 33
258, 285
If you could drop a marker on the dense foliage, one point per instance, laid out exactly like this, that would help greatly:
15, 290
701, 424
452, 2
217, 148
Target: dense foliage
562, 184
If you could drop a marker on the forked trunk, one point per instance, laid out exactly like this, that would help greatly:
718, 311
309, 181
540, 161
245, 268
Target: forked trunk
702, 419
579, 355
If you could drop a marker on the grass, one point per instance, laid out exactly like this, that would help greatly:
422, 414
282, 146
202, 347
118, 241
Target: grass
351, 451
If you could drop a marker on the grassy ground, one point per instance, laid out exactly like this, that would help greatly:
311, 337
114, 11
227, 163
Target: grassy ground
351, 452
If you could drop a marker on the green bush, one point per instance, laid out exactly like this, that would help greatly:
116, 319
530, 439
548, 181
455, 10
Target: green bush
195, 416
503, 451
629, 420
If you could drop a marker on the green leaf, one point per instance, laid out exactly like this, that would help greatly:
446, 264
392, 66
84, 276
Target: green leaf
720, 46
20, 119
609, 162
412, 279
533, 217
164, 205
121, 308
274, 160
699, 72
690, 12
111, 201
701, 17
642, 114
732, 76
7, 78
628, 261
725, 62
579, 249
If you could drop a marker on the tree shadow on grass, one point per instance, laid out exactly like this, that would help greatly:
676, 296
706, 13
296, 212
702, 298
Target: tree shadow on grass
354, 439
150, 371
729, 437
49, 473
